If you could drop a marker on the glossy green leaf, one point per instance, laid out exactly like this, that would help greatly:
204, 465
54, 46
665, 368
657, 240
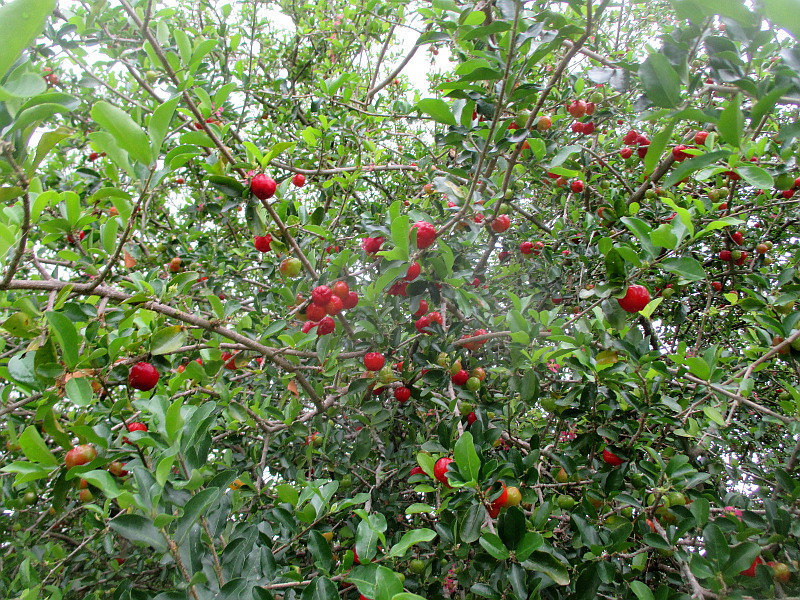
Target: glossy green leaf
661, 83
731, 122
34, 447
67, 336
137, 528
550, 566
437, 109
125, 131
20, 22
469, 464
409, 539
167, 340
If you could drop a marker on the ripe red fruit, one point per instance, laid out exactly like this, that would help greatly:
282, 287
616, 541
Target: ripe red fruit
326, 326
416, 471
476, 344
436, 317
725, 255
590, 108
374, 361
737, 237
334, 306
576, 127
93, 156
136, 426
371, 245
787, 193
501, 223
423, 308
351, 301
635, 299
723, 206
143, 376
751, 570
561, 181
460, 378
678, 153
230, 361
577, 108
641, 151
471, 418
308, 326
80, 455
341, 289
321, 295
576, 186
315, 312
299, 180
741, 260
762, 248
700, 137
117, 469
414, 270
631, 137
588, 128
398, 289
262, 242
717, 285
611, 459
263, 186
626, 153
402, 394
440, 470
426, 234
422, 323
526, 247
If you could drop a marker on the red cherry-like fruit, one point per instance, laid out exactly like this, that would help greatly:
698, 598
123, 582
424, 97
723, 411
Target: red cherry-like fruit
576, 186
136, 426
374, 361
526, 247
717, 285
143, 376
351, 301
262, 242
751, 570
299, 180
321, 295
417, 471
700, 137
263, 186
423, 308
326, 326
737, 237
471, 418
635, 299
440, 470
334, 306
371, 245
402, 394
501, 223
460, 378
422, 323
611, 459
426, 234
341, 289
315, 312
308, 326
725, 255
631, 137
80, 455
626, 153
413, 271
679, 154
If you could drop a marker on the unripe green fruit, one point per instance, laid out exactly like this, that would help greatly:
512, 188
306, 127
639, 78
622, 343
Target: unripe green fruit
473, 384
504, 209
596, 97
565, 502
443, 360
667, 293
417, 566
151, 76
455, 367
385, 375
522, 118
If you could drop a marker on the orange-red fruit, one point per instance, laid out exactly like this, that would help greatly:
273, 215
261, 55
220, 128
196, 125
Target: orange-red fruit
576, 186
351, 301
321, 295
263, 186
143, 376
423, 322
700, 137
299, 180
262, 242
426, 234
374, 361
440, 470
402, 394
423, 308
635, 299
334, 306
751, 570
501, 223
414, 270
80, 455
626, 153
611, 459
315, 312
326, 326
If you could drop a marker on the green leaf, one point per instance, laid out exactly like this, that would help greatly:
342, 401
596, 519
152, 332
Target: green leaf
387, 584
137, 528
686, 267
642, 591
765, 104
656, 148
469, 464
494, 546
174, 421
34, 448
400, 228
410, 538
756, 176
320, 588
439, 110
784, 14
79, 391
731, 122
713, 414
275, 151
642, 232
21, 21
103, 480
662, 85
690, 165
550, 566
470, 529
125, 131
168, 340
47, 142
320, 550
195, 508
160, 122
66, 335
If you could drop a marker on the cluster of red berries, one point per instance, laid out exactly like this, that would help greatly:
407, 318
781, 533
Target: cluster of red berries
533, 248
425, 321
328, 301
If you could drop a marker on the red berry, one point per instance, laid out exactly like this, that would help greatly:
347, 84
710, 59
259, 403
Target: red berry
678, 153
741, 260
315, 312
308, 326
717, 285
737, 237
80, 455
576, 186
700, 137
426, 234
436, 317
787, 193
526, 247
299, 180
440, 470
351, 301
371, 245
334, 306
751, 570
93, 156
402, 394
576, 127
723, 206
471, 418
136, 426
626, 153
590, 108
262, 242
374, 361
641, 151
611, 459
635, 299
422, 323
725, 255
423, 308
414, 270
326, 326
460, 378
321, 295
631, 137
143, 376
263, 186
577, 108
588, 128
417, 471
501, 223
341, 289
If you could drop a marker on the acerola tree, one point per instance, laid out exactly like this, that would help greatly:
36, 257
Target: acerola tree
323, 331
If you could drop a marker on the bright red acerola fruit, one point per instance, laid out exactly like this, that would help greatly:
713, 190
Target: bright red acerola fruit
422, 323
414, 269
351, 301
635, 299
263, 186
334, 306
460, 378
372, 245
423, 308
143, 376
440, 470
326, 326
751, 570
80, 455
321, 295
631, 137
737, 237
678, 153
626, 153
315, 312
402, 394
417, 471
262, 242
426, 234
725, 255
611, 459
501, 223
299, 180
700, 137
374, 361
526, 247
341, 289
576, 186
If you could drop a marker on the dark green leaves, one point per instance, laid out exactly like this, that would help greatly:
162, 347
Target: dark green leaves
20, 22
437, 109
661, 82
137, 528
128, 135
